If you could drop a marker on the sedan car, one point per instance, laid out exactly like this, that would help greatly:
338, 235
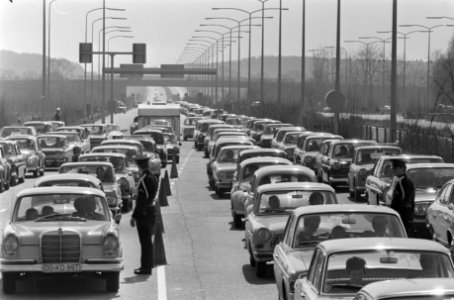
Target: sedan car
76, 142
336, 164
96, 133
104, 171
16, 161
189, 127
290, 141
340, 268
57, 149
5, 172
56, 231
121, 107
17, 130
123, 173
379, 182
201, 131
241, 186
271, 207
34, 157
407, 289
41, 127
172, 147
293, 254
280, 133
159, 138
308, 147
364, 159
70, 179
268, 133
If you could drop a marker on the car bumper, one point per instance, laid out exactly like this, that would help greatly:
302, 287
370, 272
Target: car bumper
224, 185
338, 180
91, 265
54, 162
263, 255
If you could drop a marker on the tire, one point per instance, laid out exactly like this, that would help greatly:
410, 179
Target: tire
2, 186
112, 281
13, 181
356, 195
220, 193
185, 138
237, 222
163, 164
41, 172
260, 269
22, 179
7, 184
177, 159
9, 282
252, 261
211, 183
35, 173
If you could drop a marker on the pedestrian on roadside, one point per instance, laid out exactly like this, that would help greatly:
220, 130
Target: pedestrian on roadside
144, 214
57, 115
403, 197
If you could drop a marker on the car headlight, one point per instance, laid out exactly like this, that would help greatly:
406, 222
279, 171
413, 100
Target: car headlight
263, 235
362, 172
32, 159
111, 245
421, 208
336, 165
308, 159
10, 245
111, 197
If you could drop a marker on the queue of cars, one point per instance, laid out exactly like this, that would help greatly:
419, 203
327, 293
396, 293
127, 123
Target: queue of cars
292, 220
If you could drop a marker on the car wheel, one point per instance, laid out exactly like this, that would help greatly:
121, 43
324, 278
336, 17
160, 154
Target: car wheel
13, 181
220, 193
207, 154
9, 282
163, 164
252, 261
260, 269
185, 138
35, 173
211, 183
451, 247
22, 179
177, 159
237, 222
7, 183
41, 172
112, 281
2, 186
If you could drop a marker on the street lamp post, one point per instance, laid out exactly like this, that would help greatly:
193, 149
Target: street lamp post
48, 53
85, 64
429, 31
262, 100
43, 91
212, 46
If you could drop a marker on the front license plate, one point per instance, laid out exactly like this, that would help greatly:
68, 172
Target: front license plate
61, 267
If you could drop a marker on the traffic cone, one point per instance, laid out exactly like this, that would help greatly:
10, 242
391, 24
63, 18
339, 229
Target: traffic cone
174, 171
159, 225
167, 182
163, 194
159, 252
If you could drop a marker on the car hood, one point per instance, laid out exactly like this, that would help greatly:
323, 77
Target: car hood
26, 152
225, 166
276, 223
92, 231
426, 195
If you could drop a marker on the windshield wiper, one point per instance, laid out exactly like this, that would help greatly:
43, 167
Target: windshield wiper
61, 216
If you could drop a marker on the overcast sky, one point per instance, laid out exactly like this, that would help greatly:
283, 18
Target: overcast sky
167, 25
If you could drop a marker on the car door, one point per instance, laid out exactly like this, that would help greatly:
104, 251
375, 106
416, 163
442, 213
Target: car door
440, 213
312, 283
280, 256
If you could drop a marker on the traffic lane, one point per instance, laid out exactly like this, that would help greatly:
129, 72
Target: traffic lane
205, 255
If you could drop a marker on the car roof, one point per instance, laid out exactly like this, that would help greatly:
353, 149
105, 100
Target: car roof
282, 186
265, 159
429, 165
147, 130
375, 243
67, 176
87, 163
377, 147
119, 141
408, 156
283, 169
60, 190
353, 141
106, 154
333, 208
261, 151
203, 121
94, 125
415, 287
295, 128
52, 135
236, 147
114, 146
239, 138
21, 137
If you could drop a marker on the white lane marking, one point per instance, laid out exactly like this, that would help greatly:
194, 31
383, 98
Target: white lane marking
162, 288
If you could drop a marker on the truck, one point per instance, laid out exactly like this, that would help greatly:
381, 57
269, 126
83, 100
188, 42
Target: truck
158, 113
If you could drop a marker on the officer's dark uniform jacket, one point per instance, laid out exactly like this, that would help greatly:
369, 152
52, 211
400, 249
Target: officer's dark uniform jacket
147, 188
404, 194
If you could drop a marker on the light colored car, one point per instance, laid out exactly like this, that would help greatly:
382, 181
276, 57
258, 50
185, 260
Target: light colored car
121, 107
75, 141
104, 171
114, 132
308, 147
369, 260
57, 149
241, 186
172, 147
41, 127
336, 163
34, 157
48, 234
268, 133
280, 133
276, 174
189, 127
69, 179
123, 174
201, 131
5, 172
160, 142
129, 151
364, 159
17, 130
16, 161
96, 133
440, 216
210, 141
258, 128
408, 289
293, 254
223, 168
378, 183
150, 150
211, 130
271, 207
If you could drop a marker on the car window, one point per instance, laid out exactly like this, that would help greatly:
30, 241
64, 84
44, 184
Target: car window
288, 231
318, 271
449, 195
387, 169
283, 201
430, 177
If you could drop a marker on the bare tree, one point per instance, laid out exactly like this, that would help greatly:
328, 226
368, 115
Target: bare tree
368, 60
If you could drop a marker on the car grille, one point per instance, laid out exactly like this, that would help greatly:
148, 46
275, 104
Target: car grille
59, 248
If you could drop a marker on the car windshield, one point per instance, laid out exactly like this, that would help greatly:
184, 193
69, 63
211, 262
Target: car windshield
113, 127
292, 138
275, 178
41, 128
130, 153
25, 144
68, 182
7, 131
233, 122
371, 156
249, 170
148, 146
73, 138
60, 207
228, 155
51, 142
377, 265
343, 150
430, 177
95, 130
313, 144
387, 168
280, 136
103, 173
191, 121
157, 136
315, 228
282, 201
7, 148
118, 162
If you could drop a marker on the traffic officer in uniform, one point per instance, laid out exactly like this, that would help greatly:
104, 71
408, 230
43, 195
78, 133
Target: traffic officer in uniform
403, 198
144, 214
